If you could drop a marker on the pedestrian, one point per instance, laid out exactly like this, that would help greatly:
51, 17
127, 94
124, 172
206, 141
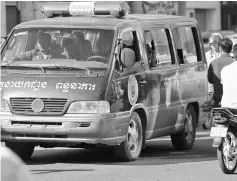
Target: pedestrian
215, 49
214, 53
215, 68
235, 51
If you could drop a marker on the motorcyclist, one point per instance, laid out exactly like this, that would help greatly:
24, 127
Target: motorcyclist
229, 83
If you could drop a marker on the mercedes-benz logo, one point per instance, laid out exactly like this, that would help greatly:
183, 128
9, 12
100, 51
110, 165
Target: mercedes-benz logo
37, 105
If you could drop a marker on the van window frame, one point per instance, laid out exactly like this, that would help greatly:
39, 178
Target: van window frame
170, 42
195, 38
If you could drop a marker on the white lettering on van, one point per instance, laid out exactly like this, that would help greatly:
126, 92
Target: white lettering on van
73, 86
35, 85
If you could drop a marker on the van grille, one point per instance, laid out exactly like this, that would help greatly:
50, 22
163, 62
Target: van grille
51, 105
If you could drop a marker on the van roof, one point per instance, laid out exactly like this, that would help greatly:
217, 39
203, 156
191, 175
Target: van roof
101, 21
158, 17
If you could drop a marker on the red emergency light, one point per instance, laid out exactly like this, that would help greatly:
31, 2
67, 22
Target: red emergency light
114, 9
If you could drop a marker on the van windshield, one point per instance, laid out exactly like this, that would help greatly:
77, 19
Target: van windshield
41, 44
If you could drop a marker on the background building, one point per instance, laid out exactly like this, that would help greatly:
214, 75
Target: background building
207, 13
229, 15
3, 19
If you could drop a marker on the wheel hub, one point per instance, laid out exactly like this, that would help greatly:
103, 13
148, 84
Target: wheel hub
133, 136
188, 127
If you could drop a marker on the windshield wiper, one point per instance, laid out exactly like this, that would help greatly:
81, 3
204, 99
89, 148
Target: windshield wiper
49, 66
69, 67
28, 66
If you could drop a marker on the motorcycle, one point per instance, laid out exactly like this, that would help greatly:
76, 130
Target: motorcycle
225, 137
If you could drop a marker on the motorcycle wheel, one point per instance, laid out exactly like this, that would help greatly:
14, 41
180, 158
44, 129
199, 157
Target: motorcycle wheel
227, 166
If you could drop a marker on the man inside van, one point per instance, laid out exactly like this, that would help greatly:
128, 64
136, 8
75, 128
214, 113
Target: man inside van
41, 50
215, 68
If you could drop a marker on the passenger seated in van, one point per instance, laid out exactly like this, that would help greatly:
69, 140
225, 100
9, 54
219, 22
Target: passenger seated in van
83, 46
56, 51
41, 50
69, 49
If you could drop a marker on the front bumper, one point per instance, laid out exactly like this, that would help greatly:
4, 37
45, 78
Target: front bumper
108, 129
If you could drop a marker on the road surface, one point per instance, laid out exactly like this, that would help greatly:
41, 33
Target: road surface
158, 162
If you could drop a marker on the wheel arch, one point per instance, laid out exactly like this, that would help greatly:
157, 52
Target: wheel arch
141, 111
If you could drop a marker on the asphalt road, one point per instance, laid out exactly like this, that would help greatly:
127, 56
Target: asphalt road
158, 162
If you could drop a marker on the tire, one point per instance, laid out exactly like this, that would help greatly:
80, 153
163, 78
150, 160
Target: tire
220, 156
185, 139
23, 150
129, 149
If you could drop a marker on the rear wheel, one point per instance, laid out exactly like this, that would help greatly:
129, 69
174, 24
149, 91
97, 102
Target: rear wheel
23, 150
131, 147
227, 163
185, 139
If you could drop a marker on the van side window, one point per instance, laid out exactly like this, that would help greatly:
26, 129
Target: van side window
130, 40
188, 45
163, 48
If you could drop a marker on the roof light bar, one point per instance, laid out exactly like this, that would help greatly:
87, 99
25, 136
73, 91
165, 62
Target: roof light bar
114, 9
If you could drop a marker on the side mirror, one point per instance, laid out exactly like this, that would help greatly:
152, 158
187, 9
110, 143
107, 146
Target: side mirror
127, 57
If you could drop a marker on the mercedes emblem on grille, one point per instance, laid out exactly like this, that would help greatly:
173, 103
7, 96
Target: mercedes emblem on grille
37, 105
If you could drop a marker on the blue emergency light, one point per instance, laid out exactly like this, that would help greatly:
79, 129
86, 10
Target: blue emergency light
113, 9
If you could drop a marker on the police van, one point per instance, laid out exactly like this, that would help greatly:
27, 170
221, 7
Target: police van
90, 74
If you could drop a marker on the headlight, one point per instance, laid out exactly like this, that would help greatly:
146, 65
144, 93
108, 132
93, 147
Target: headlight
89, 107
4, 106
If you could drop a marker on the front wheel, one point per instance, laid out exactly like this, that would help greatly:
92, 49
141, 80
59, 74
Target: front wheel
185, 139
131, 147
23, 150
227, 162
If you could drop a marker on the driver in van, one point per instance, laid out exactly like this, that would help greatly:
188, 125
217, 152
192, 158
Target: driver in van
84, 48
69, 49
41, 50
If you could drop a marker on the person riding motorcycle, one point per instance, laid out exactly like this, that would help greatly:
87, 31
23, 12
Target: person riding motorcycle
225, 119
229, 83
